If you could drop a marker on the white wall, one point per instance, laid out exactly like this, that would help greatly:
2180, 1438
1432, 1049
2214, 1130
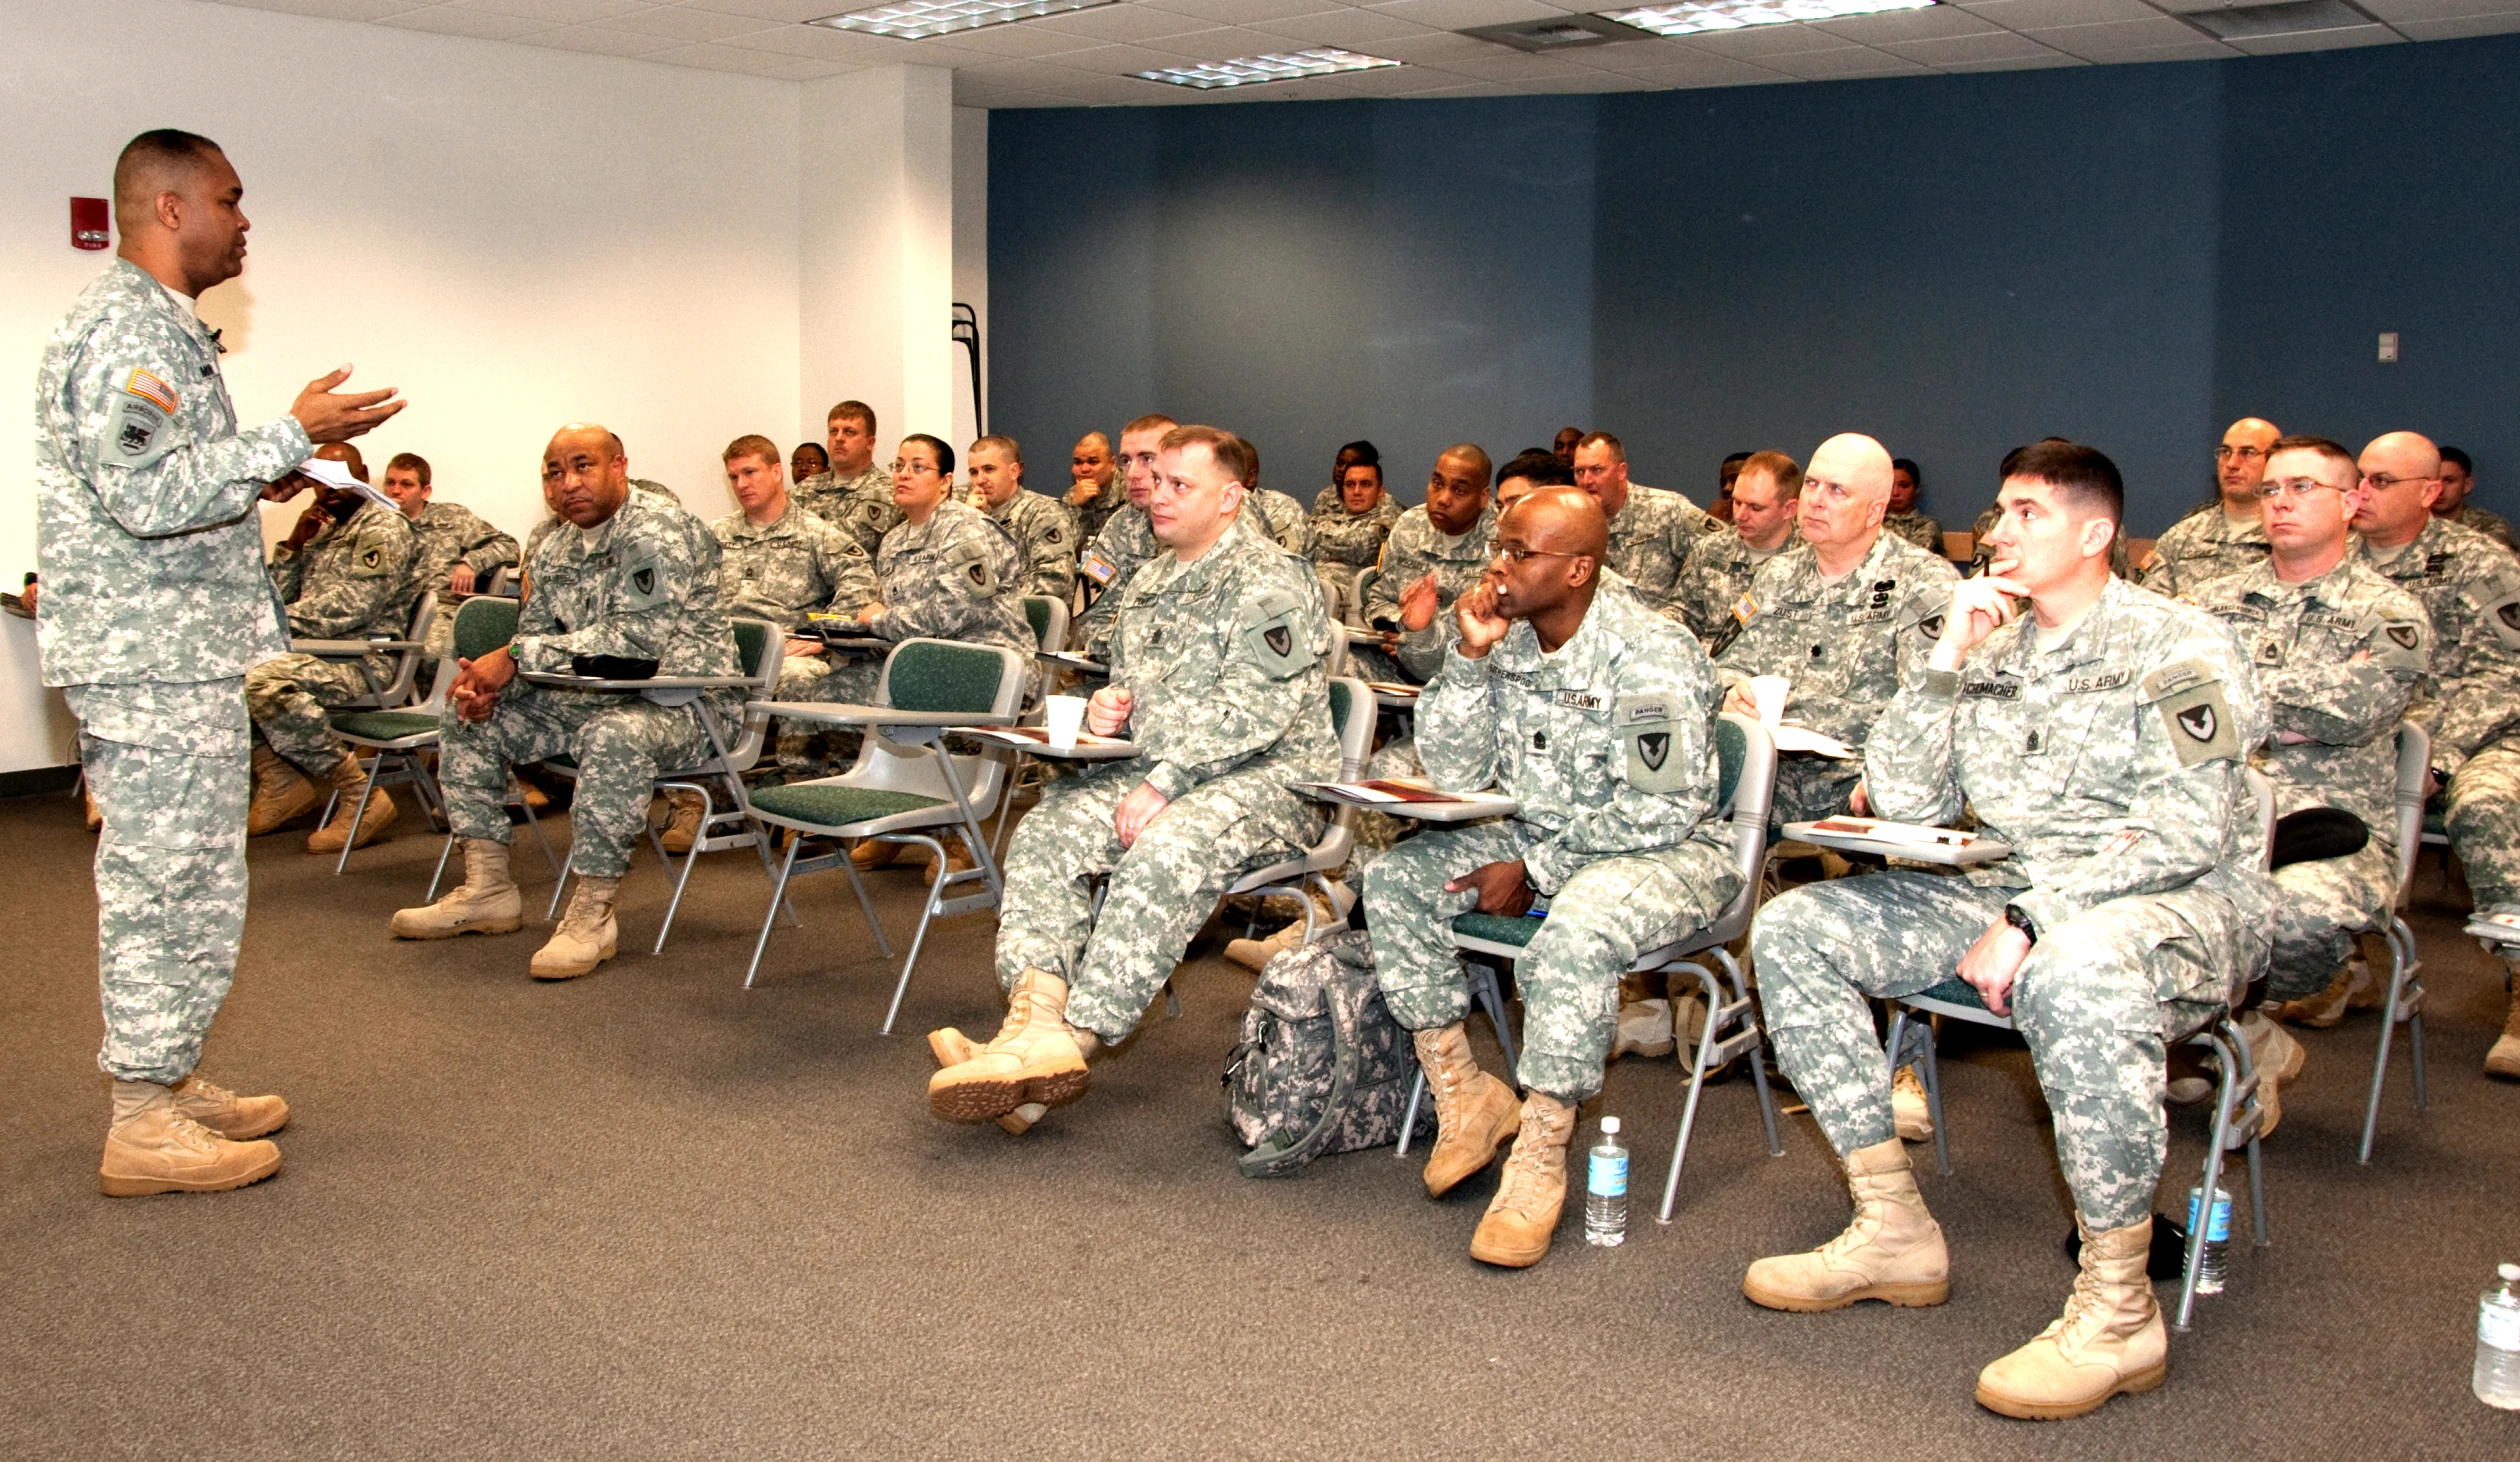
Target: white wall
971, 262
514, 236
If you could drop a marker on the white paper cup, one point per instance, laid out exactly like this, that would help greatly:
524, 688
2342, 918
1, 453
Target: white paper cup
1768, 692
1064, 715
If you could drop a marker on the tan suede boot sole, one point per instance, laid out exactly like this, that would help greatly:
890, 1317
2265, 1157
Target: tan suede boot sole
129, 1175
987, 1087
549, 966
1913, 1295
951, 1047
1509, 1240
506, 918
2023, 1409
381, 813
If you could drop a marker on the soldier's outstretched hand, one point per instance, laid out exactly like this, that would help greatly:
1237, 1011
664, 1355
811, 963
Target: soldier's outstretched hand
337, 416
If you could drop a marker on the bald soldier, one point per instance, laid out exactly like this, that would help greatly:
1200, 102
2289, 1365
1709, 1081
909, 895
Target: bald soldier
154, 605
1652, 532
2224, 536
2470, 587
1842, 617
1095, 490
1593, 713
626, 587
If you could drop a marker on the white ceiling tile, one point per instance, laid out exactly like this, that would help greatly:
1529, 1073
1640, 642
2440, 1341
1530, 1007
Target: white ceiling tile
1245, 12
1834, 65
807, 70
2342, 38
1353, 30
2040, 62
1623, 55
1225, 43
1019, 40
1907, 25
820, 43
2200, 49
2000, 45
1767, 40
1121, 23
600, 42
1514, 69
1396, 80
1466, 14
1437, 48
1590, 83
2460, 29
680, 23
558, 12
330, 9
706, 57
1467, 88
452, 20
792, 12
1709, 71
2033, 14
1017, 75
1123, 60
2094, 42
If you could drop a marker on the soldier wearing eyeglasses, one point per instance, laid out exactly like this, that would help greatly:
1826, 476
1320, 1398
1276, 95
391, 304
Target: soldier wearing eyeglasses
2224, 536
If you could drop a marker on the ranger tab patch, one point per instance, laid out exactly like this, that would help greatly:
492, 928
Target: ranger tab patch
136, 424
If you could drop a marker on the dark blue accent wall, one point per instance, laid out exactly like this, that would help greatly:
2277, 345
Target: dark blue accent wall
2126, 255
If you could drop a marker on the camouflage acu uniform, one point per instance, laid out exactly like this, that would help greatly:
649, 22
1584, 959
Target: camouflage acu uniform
448, 534
1345, 543
2340, 659
1718, 574
352, 581
1926, 533
1230, 703
1044, 531
860, 506
1651, 540
154, 604
2493, 525
1125, 542
1845, 646
2470, 587
1090, 517
785, 570
1608, 747
2112, 764
2202, 547
1284, 521
1415, 549
953, 577
642, 585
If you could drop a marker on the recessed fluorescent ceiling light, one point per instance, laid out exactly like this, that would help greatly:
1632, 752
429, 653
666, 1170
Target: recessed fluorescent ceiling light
913, 20
1701, 16
1251, 70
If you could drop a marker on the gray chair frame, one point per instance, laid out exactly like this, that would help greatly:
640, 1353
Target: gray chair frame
2406, 986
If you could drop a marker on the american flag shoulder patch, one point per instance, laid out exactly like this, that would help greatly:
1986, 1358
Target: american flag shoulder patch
148, 387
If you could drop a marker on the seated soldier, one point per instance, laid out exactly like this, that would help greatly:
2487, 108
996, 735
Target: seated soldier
1592, 712
1436, 553
1042, 527
626, 582
2340, 654
2102, 732
2223, 536
808, 458
1766, 497
1217, 676
2458, 480
456, 552
1348, 456
1347, 538
1126, 540
1840, 615
780, 563
345, 574
853, 495
1526, 474
1652, 532
2470, 588
1906, 480
1095, 490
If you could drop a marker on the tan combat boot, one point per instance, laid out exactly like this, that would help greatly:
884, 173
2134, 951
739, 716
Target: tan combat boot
154, 1148
1475, 1114
1037, 1058
952, 1048
2109, 1341
1515, 1230
282, 794
1893, 1251
587, 934
1643, 1029
684, 828
872, 853
2277, 1059
957, 857
2347, 991
95, 818
1909, 1111
350, 779
2504, 1059
225, 1114
486, 902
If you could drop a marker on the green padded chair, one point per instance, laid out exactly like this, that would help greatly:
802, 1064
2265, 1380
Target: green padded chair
905, 787
2238, 1115
389, 701
761, 648
1745, 789
1313, 867
1048, 618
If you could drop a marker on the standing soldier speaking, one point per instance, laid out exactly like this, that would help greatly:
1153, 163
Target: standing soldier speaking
154, 606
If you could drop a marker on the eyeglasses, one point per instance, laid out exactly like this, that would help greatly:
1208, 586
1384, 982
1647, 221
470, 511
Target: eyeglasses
916, 468
2245, 454
1517, 554
2296, 488
2382, 482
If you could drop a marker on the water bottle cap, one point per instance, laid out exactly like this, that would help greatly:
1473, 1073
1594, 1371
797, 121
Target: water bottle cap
2508, 1271
1610, 1125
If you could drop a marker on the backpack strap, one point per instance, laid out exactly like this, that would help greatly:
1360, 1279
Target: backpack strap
1275, 1159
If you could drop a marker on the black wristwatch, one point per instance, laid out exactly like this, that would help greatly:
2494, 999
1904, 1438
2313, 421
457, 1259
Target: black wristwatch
2021, 921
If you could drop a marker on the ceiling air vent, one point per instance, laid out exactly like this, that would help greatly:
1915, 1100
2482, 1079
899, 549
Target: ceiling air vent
1558, 33
2265, 22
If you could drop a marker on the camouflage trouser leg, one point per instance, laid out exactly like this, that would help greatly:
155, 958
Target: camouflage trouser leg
1367, 660
169, 768
1609, 912
287, 698
2097, 1002
806, 748
1809, 788
2484, 822
1159, 891
2319, 907
620, 746
1378, 833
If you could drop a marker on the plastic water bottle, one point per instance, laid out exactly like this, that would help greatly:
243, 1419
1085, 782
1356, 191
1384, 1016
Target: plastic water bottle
1605, 1190
2497, 1380
2209, 1273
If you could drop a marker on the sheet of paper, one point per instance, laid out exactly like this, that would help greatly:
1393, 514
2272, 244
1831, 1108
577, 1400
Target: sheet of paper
1803, 738
336, 475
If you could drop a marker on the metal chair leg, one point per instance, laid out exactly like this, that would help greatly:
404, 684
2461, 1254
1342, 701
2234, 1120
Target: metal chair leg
2405, 1003
1408, 1123
927, 915
770, 916
358, 815
1698, 1065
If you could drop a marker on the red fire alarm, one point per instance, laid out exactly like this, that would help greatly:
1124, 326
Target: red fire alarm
88, 228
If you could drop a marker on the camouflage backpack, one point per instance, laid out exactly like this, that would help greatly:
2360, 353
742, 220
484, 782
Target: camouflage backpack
1322, 1066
